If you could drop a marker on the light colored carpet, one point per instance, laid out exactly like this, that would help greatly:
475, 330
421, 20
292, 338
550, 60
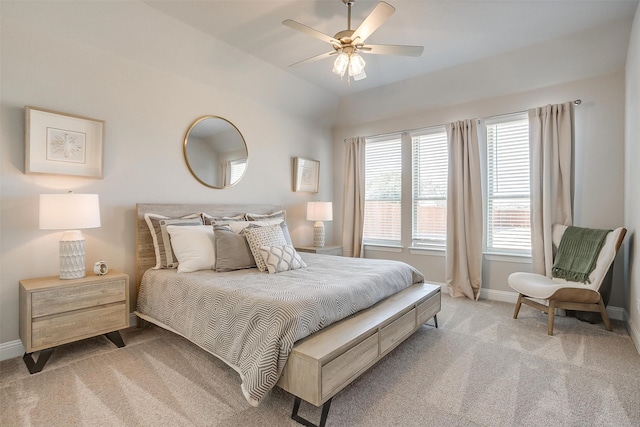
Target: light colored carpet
479, 368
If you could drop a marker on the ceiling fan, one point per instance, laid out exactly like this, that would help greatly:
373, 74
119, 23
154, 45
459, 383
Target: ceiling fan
348, 43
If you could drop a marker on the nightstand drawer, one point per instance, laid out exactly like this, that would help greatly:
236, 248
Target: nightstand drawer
64, 299
58, 329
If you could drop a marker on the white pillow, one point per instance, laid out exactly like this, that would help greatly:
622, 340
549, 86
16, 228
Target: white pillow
238, 226
281, 258
194, 247
165, 258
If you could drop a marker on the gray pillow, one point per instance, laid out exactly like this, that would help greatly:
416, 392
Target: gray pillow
272, 218
208, 219
232, 250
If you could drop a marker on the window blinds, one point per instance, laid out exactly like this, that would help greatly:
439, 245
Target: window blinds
508, 191
383, 190
430, 168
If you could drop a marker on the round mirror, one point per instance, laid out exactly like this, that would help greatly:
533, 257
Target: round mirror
215, 152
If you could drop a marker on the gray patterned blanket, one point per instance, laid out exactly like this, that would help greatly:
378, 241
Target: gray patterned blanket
251, 320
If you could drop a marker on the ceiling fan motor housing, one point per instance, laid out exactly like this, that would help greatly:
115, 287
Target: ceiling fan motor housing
345, 39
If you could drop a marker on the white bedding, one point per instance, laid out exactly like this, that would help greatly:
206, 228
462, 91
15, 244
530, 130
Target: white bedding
251, 319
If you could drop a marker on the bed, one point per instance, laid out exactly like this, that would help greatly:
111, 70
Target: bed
310, 330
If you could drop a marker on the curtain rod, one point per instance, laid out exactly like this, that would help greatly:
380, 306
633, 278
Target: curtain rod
575, 102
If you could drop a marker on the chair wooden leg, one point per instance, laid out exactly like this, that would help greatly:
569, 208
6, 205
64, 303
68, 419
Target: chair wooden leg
518, 304
552, 310
605, 317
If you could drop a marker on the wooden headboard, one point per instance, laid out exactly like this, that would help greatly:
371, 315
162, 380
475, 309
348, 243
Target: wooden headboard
145, 253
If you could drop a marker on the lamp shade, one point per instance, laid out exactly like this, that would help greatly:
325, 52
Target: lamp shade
69, 211
319, 211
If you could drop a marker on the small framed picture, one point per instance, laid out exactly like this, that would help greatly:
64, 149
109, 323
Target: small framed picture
62, 144
306, 173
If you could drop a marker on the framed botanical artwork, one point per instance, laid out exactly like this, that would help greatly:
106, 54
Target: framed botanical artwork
306, 173
62, 144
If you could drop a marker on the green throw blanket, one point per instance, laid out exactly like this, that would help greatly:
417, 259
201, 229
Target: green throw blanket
577, 253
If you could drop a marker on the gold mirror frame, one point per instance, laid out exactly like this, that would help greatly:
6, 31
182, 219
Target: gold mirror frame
215, 152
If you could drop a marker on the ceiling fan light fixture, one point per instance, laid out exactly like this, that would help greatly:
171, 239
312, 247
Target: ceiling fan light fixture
341, 63
360, 76
356, 66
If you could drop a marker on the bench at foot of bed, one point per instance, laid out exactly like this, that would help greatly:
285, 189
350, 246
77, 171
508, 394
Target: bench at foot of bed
322, 364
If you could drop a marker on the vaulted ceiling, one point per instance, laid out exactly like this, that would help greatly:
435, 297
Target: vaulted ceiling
452, 32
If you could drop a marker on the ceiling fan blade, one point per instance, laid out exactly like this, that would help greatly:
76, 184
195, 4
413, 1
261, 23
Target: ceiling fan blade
390, 49
315, 58
310, 31
372, 22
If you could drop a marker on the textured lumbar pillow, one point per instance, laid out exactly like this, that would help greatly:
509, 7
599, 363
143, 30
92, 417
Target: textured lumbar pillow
281, 258
270, 235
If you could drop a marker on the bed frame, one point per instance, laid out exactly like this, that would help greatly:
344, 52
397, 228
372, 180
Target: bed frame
322, 364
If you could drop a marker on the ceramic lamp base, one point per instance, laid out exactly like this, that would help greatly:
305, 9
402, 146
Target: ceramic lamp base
72, 253
318, 234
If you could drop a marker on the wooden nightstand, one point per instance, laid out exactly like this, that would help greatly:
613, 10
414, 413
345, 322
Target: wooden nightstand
55, 312
326, 250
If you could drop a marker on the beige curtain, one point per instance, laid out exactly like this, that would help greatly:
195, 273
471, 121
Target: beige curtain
353, 203
464, 211
551, 151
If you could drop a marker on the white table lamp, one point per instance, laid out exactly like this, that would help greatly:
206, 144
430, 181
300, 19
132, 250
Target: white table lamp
70, 212
319, 212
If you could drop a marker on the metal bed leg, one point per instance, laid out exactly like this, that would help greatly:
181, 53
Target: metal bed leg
305, 422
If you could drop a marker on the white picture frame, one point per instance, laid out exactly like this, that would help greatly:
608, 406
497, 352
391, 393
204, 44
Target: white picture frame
63, 144
306, 174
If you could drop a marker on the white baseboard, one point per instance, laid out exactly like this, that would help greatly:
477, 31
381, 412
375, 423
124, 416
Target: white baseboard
615, 313
504, 296
11, 349
634, 333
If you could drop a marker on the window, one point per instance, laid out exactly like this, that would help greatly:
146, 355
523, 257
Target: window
430, 168
236, 168
383, 190
424, 205
508, 193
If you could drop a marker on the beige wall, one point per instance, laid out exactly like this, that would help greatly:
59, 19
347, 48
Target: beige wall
632, 183
599, 152
147, 109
